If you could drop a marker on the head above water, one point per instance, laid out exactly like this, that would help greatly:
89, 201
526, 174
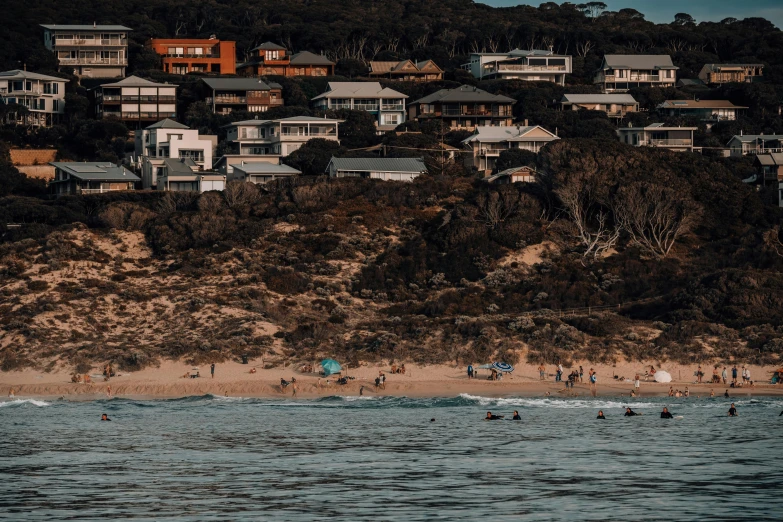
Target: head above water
601, 412
665, 409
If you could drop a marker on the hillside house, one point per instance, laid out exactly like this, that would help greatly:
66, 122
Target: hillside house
658, 135
614, 105
620, 72
488, 142
225, 95
387, 169
43, 96
270, 59
719, 73
407, 71
744, 144
195, 55
387, 105
280, 137
136, 101
90, 177
705, 110
464, 108
92, 51
530, 65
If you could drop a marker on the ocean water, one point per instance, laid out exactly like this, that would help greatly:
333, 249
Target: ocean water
350, 458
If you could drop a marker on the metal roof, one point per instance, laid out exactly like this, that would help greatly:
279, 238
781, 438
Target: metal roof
359, 90
18, 74
622, 99
308, 58
268, 46
266, 168
168, 124
179, 166
290, 119
499, 134
699, 104
240, 84
86, 27
464, 93
639, 61
379, 164
658, 126
746, 138
96, 171
135, 81
389, 67
770, 158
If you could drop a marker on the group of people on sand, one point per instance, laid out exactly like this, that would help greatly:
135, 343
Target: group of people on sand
81, 379
398, 369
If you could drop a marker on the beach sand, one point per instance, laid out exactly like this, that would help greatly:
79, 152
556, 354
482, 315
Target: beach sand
234, 379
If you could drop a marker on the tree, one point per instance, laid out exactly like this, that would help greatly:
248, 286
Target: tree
591, 216
654, 216
592, 9
358, 128
313, 157
515, 158
683, 19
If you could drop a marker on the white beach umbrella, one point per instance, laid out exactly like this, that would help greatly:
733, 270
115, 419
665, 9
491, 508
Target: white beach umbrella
662, 376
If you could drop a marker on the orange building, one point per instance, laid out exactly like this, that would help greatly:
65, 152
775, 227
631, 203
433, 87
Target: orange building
187, 55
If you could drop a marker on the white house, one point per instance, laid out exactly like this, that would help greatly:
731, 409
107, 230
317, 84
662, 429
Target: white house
620, 72
614, 105
387, 105
44, 97
744, 144
280, 137
488, 142
93, 51
387, 169
531, 65
262, 173
658, 135
168, 139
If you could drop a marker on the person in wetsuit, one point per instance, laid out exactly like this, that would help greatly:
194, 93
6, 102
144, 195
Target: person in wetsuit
630, 413
516, 416
492, 417
665, 414
732, 411
105, 417
601, 415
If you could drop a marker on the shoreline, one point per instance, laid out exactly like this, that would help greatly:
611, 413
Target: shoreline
167, 381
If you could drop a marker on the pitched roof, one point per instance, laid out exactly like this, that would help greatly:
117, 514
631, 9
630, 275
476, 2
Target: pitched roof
359, 90
699, 104
498, 134
18, 74
379, 164
729, 66
268, 46
266, 168
464, 93
639, 61
689, 81
508, 172
747, 138
86, 27
96, 171
240, 84
135, 81
657, 126
623, 99
308, 58
167, 124
403, 66
179, 167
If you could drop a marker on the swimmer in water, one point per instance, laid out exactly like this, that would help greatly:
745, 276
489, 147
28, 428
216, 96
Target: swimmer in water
732, 411
105, 417
666, 415
492, 417
601, 415
630, 413
516, 416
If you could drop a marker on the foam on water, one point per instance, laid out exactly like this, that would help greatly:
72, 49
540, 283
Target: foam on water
21, 402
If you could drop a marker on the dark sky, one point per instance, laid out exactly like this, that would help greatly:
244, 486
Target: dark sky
663, 11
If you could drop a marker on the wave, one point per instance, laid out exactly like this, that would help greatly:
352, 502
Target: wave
21, 402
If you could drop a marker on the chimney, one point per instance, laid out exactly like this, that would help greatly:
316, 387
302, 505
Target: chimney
525, 122
740, 132
24, 66
213, 37
93, 25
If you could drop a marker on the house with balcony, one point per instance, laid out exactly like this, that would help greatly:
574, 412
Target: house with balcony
387, 169
226, 163
92, 51
387, 105
225, 95
531, 65
43, 96
488, 142
136, 101
711, 111
90, 177
719, 73
621, 72
464, 108
270, 59
280, 137
262, 173
614, 105
744, 144
183, 175
658, 135
406, 71
195, 55
168, 139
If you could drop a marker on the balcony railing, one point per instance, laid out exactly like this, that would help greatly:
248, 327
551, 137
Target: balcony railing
59, 42
100, 190
473, 112
142, 98
395, 107
187, 55
530, 68
637, 78
93, 61
229, 99
139, 115
668, 143
490, 152
305, 134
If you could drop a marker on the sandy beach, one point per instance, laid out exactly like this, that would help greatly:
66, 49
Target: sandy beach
235, 380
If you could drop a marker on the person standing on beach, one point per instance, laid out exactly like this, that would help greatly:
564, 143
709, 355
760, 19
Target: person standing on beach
108, 391
559, 373
470, 371
636, 382
581, 374
734, 374
541, 372
293, 389
212, 370
747, 375
383, 381
724, 375
699, 373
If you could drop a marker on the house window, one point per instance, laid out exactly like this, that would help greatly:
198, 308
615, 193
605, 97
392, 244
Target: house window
272, 55
391, 119
56, 105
